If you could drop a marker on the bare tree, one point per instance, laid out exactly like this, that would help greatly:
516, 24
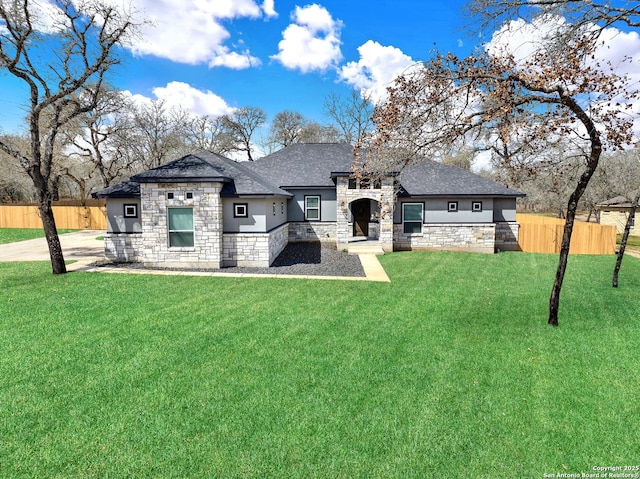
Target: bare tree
491, 13
516, 107
314, 132
206, 133
625, 237
286, 128
63, 84
352, 115
15, 184
241, 126
159, 133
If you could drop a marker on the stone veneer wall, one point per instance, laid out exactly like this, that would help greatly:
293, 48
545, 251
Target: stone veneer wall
305, 231
253, 250
345, 196
471, 237
207, 224
507, 236
123, 247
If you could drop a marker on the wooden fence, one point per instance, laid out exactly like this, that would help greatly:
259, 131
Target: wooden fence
67, 217
540, 234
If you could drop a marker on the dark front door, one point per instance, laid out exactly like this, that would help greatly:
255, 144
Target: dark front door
361, 211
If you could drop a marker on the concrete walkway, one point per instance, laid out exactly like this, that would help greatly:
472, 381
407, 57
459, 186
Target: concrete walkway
80, 245
85, 249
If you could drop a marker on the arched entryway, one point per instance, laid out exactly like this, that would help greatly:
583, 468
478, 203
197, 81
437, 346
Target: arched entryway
361, 212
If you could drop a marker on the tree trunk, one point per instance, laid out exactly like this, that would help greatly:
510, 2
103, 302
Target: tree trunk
554, 300
625, 236
51, 234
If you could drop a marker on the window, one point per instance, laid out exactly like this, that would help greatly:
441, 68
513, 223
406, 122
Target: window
130, 211
189, 195
169, 196
240, 210
353, 184
180, 227
412, 217
452, 206
312, 208
476, 206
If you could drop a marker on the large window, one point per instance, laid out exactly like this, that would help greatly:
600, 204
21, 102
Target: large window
180, 227
412, 217
312, 208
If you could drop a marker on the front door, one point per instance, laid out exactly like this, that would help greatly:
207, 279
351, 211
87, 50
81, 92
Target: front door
361, 211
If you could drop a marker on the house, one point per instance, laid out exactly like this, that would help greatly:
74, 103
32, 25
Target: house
615, 212
204, 210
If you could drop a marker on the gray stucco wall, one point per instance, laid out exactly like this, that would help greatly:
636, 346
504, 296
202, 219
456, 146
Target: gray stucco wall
327, 204
435, 210
260, 215
504, 209
116, 222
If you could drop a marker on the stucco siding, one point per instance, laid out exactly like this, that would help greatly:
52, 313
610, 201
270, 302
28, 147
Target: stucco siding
116, 220
436, 210
618, 218
504, 209
327, 204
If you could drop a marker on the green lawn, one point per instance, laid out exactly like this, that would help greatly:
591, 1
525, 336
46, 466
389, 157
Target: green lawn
11, 235
448, 371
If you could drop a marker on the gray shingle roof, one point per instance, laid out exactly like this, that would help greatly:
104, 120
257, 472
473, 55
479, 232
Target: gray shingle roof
430, 178
126, 189
311, 164
199, 167
305, 164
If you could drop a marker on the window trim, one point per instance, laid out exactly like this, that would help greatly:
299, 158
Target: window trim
405, 222
307, 208
169, 230
237, 207
189, 195
170, 195
133, 214
476, 206
452, 206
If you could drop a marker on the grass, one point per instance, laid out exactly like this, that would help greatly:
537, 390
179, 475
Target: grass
631, 240
11, 235
448, 371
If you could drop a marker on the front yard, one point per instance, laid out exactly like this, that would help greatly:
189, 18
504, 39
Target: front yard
448, 371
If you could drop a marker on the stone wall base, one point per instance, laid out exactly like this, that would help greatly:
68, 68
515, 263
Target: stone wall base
253, 250
507, 236
477, 238
123, 247
300, 232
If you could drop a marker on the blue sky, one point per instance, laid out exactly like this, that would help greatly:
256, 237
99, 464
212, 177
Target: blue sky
213, 55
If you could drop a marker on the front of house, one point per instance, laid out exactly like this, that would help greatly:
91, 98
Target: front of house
204, 210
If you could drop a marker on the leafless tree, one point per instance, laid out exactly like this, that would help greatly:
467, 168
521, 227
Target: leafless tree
314, 132
352, 115
516, 108
57, 59
206, 133
241, 126
158, 133
286, 128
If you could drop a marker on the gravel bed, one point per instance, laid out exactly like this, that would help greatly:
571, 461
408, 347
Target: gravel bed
314, 259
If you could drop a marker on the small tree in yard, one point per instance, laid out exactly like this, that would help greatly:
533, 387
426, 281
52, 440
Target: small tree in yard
62, 58
514, 107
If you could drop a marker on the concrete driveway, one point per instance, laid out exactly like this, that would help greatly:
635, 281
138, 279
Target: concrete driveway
81, 245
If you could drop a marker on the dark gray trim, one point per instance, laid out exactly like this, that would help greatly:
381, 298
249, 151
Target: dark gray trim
246, 210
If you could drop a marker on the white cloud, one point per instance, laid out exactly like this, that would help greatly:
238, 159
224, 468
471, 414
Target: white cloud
192, 31
377, 68
179, 95
182, 95
312, 42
